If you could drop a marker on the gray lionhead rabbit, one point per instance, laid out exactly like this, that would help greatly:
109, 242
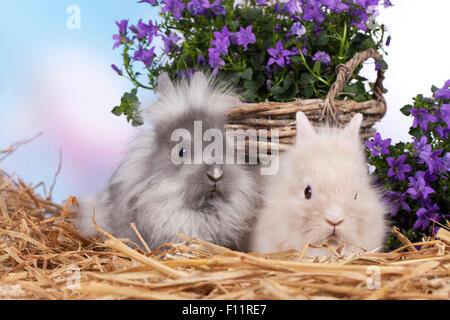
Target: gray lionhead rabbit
214, 202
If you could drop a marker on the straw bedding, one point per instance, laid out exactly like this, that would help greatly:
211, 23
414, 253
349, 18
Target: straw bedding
43, 257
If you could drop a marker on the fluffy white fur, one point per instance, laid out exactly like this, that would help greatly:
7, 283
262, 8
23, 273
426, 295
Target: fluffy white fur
159, 196
331, 162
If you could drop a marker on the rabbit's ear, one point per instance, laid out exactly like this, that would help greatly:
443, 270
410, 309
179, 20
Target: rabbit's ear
199, 77
164, 84
352, 128
304, 127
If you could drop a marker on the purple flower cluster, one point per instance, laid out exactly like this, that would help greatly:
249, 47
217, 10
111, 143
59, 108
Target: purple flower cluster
398, 168
322, 57
279, 55
144, 34
378, 146
223, 39
174, 6
204, 7
121, 37
418, 177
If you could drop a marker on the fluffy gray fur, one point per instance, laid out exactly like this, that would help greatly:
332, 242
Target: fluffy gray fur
164, 198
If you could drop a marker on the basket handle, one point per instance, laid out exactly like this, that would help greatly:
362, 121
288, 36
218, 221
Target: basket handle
344, 73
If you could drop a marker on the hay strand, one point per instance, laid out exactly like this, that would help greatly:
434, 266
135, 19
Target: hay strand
42, 256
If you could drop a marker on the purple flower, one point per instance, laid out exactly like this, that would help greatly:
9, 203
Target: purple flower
174, 6
388, 41
245, 37
116, 69
194, 8
444, 113
397, 200
312, 11
121, 37
444, 92
197, 7
276, 7
419, 146
144, 55
419, 187
214, 59
422, 117
218, 9
378, 146
424, 216
221, 45
398, 168
144, 29
387, 3
430, 157
152, 2
322, 57
222, 40
377, 65
292, 7
335, 5
443, 132
297, 29
122, 27
170, 41
446, 162
201, 59
278, 54
186, 74
260, 2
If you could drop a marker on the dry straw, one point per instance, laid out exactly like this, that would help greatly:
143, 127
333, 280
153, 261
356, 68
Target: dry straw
43, 257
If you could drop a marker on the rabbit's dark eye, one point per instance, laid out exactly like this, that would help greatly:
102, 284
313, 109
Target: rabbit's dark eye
182, 152
356, 196
308, 192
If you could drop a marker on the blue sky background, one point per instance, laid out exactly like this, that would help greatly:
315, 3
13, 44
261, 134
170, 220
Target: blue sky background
59, 82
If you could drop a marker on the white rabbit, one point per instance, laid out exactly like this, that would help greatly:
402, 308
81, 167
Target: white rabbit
321, 194
215, 202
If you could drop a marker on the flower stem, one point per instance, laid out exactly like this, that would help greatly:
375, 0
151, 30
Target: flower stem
343, 40
310, 70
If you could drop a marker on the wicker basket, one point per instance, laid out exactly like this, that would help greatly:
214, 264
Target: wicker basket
267, 115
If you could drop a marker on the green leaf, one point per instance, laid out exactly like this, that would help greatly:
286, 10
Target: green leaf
307, 78
307, 92
383, 65
295, 59
117, 111
288, 94
247, 74
406, 110
234, 25
257, 59
252, 14
278, 90
254, 84
129, 104
316, 67
323, 39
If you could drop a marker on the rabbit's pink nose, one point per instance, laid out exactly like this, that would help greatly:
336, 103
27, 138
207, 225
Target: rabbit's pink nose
335, 223
215, 174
